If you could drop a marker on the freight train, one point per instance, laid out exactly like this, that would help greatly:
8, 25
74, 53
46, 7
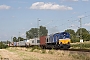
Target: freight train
57, 40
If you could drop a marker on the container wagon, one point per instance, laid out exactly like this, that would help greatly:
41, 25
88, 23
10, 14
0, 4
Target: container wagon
27, 43
34, 42
43, 41
22, 43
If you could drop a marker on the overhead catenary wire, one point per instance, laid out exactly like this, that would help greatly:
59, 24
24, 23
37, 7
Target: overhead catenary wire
68, 22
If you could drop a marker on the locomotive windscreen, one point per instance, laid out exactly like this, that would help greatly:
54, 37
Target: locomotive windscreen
64, 35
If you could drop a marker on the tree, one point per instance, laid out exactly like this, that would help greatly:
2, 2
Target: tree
72, 35
75, 37
15, 39
43, 31
88, 37
7, 42
83, 31
85, 34
70, 31
20, 39
33, 32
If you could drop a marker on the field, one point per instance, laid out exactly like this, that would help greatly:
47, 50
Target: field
78, 45
18, 53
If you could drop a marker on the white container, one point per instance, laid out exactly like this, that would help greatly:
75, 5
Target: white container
22, 43
27, 42
34, 41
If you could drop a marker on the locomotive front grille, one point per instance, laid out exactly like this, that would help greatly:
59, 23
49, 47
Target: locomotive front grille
64, 41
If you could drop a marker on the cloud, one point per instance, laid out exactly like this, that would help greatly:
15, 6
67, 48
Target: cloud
81, 16
49, 6
4, 7
87, 24
71, 0
85, 0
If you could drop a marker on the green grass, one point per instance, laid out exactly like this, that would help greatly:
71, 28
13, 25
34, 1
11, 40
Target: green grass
35, 47
81, 45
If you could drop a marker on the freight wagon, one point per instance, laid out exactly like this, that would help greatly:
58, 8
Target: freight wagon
27, 43
43, 41
22, 43
34, 42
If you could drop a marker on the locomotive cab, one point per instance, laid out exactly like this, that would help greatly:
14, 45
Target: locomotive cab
64, 40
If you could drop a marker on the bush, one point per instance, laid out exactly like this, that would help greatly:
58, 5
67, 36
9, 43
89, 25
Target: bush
35, 47
2, 45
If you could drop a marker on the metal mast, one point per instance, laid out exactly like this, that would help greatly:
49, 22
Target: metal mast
81, 40
38, 26
80, 29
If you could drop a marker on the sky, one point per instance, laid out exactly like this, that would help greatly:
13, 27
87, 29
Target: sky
19, 16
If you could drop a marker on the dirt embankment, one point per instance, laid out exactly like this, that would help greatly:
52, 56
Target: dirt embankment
7, 55
27, 54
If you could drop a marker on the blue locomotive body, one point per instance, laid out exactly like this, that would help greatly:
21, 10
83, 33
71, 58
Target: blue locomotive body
58, 40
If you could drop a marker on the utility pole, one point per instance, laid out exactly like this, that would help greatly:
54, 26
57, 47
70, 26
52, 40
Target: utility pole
12, 39
19, 36
19, 39
81, 40
80, 29
38, 26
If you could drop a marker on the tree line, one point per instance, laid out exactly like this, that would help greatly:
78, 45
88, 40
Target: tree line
42, 31
32, 33
76, 36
